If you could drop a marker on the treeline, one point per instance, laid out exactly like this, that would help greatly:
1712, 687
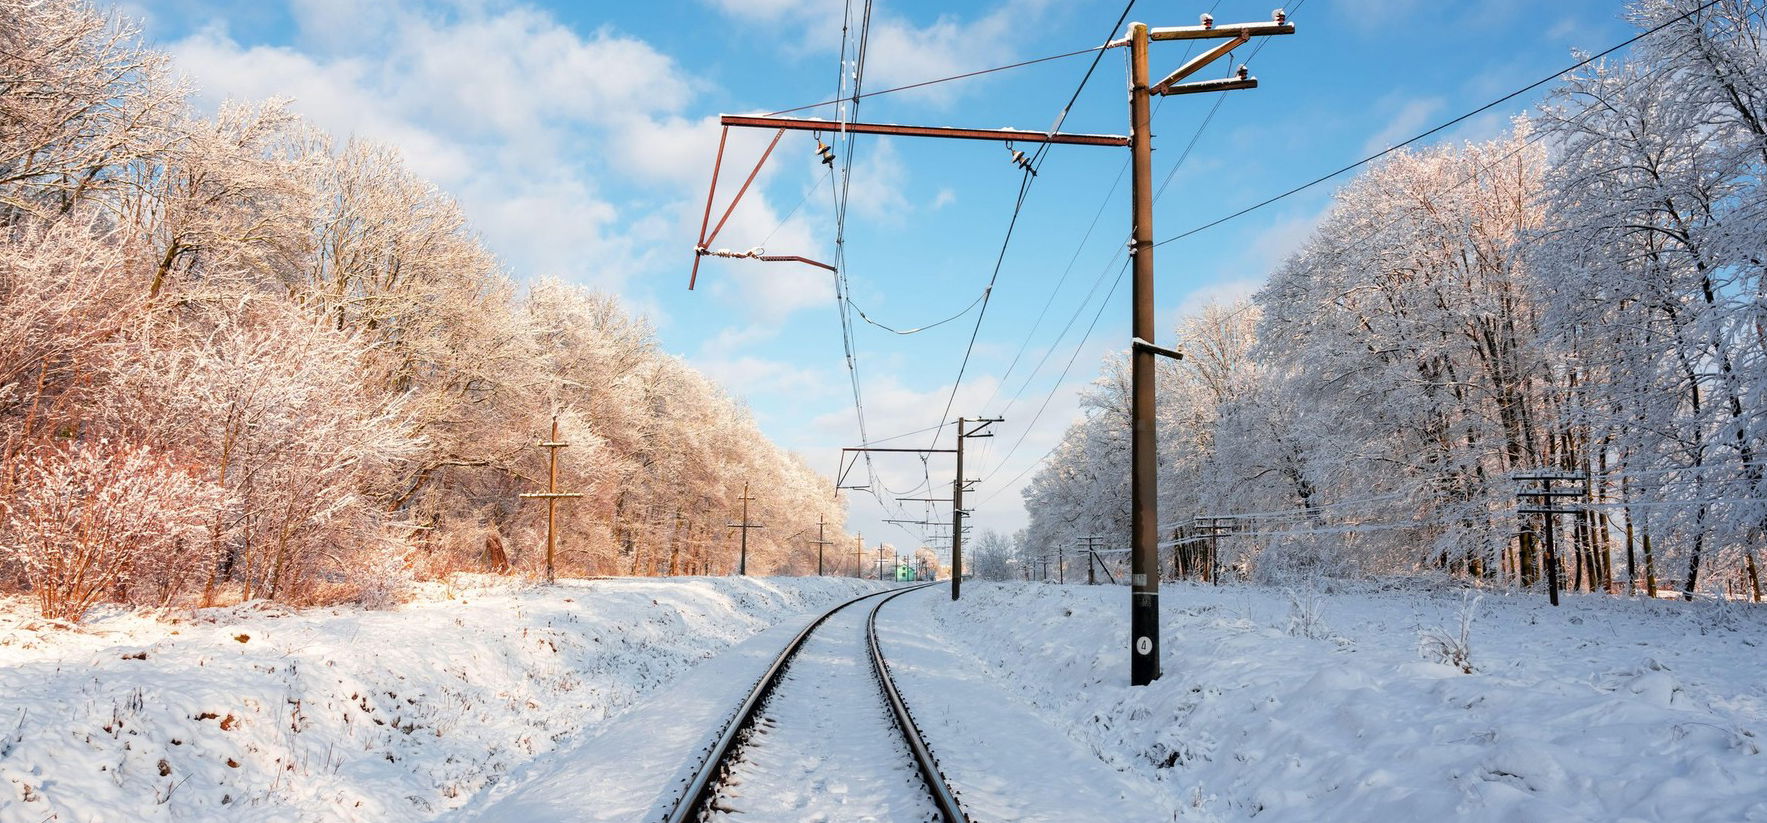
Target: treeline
239, 359
1583, 296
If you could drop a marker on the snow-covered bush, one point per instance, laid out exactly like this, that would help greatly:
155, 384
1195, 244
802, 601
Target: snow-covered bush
1452, 648
268, 403
1306, 614
385, 576
85, 520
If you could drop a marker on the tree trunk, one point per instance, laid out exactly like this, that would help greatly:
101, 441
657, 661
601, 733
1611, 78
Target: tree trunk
1529, 561
1693, 560
494, 557
1650, 566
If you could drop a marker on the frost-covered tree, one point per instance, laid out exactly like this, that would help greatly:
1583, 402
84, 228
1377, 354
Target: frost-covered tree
317, 333
81, 99
1407, 321
991, 556
267, 401
1653, 271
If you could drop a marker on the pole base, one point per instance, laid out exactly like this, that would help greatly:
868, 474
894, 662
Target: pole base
1144, 638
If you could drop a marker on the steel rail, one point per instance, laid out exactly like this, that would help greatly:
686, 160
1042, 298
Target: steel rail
701, 788
943, 795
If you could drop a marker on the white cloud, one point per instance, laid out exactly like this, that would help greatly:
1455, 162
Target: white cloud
529, 124
760, 9
1005, 471
879, 177
749, 376
1283, 237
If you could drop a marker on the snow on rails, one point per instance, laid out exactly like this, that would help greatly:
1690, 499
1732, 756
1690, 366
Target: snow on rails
806, 723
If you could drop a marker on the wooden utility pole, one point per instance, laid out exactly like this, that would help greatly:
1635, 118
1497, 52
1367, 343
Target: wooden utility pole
1210, 529
1144, 520
1542, 504
1091, 541
859, 555
958, 486
742, 563
820, 544
552, 495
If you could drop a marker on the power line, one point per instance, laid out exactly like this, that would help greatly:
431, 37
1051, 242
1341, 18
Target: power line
1535, 138
840, 194
916, 330
1024, 188
924, 83
1026, 178
1062, 116
1455, 121
1056, 386
1356, 244
905, 434
1084, 239
1064, 374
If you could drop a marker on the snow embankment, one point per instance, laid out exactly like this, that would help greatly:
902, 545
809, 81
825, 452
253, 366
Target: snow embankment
265, 714
1323, 707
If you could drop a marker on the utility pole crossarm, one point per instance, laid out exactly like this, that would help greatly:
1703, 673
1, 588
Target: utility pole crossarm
1224, 30
1200, 86
1143, 345
999, 135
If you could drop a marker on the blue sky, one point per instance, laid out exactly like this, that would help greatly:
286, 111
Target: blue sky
580, 139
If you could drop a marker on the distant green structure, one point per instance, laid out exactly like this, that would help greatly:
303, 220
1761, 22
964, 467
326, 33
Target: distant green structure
904, 573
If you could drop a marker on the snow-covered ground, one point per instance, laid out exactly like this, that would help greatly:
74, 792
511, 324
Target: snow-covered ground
1603, 709
588, 701
1004, 758
259, 713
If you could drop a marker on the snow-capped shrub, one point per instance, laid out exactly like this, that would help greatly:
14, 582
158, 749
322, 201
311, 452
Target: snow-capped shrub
1306, 614
1452, 648
385, 578
87, 519
269, 403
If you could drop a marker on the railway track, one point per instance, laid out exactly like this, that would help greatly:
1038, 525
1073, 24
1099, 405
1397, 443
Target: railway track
824, 734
